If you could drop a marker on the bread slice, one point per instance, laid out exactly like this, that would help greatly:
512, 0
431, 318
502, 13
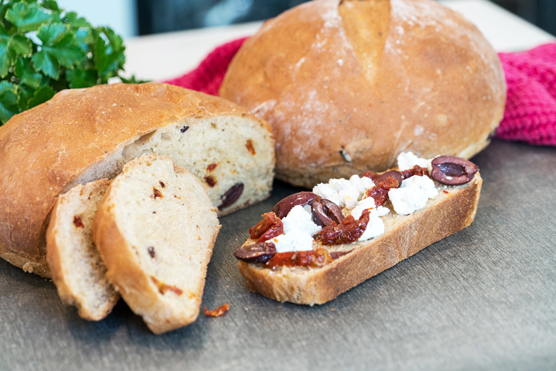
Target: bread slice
155, 230
77, 269
451, 211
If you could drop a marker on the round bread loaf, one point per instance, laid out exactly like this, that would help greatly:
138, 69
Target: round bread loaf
348, 85
84, 135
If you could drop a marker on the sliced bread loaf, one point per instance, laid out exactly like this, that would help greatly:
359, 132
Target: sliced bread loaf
155, 230
82, 135
77, 269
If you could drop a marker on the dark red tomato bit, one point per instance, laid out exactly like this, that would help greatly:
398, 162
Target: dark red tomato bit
380, 191
310, 258
348, 231
271, 226
220, 311
211, 181
417, 170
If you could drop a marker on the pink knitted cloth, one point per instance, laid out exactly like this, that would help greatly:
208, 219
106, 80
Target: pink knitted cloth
530, 114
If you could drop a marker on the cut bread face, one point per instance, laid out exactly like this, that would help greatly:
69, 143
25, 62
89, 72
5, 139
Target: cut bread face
222, 152
452, 210
77, 268
155, 230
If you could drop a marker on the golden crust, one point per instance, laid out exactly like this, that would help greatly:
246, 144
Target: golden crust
370, 78
46, 149
444, 216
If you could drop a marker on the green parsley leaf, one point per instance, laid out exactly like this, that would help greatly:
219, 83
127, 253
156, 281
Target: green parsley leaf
26, 74
27, 17
25, 93
47, 64
109, 56
84, 39
50, 4
7, 54
81, 78
8, 100
21, 45
132, 80
51, 34
66, 51
76, 22
41, 95
44, 49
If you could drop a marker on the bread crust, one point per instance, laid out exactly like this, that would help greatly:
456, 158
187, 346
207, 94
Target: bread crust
125, 272
443, 217
348, 85
59, 269
46, 150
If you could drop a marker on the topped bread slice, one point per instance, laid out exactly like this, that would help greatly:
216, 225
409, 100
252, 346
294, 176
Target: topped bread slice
82, 135
310, 249
77, 269
155, 230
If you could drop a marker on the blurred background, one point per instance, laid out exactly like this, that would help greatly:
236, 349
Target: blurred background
144, 17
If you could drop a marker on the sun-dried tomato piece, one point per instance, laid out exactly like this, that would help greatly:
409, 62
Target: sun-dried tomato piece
380, 191
78, 222
271, 226
310, 258
417, 170
249, 146
164, 288
220, 311
348, 231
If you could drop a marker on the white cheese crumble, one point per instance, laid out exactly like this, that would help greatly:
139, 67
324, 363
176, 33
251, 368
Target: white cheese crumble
406, 161
343, 192
375, 227
294, 240
299, 229
364, 204
412, 195
301, 220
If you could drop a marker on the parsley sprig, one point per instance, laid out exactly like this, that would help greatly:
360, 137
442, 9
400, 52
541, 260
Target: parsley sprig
44, 49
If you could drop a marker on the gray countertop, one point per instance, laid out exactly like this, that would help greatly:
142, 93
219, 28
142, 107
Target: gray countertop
484, 298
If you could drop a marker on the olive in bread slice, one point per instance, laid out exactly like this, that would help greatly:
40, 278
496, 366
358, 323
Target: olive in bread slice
155, 230
77, 268
320, 274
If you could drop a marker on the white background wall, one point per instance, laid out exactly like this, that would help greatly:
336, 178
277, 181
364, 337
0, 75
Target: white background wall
120, 15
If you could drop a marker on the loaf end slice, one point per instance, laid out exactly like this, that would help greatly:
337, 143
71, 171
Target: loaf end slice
77, 269
448, 213
155, 230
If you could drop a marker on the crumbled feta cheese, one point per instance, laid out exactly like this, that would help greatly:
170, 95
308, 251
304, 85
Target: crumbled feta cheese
299, 229
375, 227
299, 219
381, 210
294, 240
406, 160
362, 184
343, 192
366, 203
412, 195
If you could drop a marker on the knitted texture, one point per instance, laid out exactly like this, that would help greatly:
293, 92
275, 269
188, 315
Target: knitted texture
530, 114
